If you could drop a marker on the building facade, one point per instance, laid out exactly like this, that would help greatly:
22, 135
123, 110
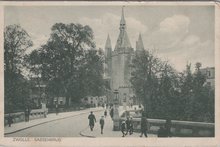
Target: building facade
209, 72
117, 63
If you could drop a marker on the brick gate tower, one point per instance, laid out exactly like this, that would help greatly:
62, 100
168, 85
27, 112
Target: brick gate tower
117, 63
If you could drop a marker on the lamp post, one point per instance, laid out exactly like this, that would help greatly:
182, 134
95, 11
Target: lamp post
116, 117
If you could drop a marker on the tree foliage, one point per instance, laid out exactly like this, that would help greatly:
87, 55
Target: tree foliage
16, 42
168, 94
69, 63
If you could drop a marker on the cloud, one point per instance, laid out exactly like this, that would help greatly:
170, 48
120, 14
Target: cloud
191, 50
109, 24
175, 24
174, 43
171, 31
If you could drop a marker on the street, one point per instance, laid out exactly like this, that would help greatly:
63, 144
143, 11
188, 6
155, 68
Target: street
68, 127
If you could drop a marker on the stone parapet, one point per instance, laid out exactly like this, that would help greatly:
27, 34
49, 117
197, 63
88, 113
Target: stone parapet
20, 116
178, 128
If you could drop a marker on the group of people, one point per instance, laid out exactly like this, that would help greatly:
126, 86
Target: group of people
92, 121
127, 127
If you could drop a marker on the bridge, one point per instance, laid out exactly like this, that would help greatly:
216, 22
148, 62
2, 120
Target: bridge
59, 125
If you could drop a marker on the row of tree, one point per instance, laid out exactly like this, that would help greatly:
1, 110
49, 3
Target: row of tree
68, 63
71, 67
169, 94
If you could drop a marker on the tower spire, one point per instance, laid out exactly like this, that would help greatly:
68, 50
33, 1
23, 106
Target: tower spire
122, 22
139, 43
123, 40
108, 43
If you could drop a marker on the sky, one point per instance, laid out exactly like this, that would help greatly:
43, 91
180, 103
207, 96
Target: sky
178, 34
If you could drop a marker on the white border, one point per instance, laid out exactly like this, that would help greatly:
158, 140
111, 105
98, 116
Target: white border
118, 141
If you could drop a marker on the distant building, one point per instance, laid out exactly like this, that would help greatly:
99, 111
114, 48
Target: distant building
59, 100
94, 101
117, 70
209, 72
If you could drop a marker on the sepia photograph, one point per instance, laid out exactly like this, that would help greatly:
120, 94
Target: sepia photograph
98, 71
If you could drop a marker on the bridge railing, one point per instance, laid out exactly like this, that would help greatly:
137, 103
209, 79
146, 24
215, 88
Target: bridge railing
20, 116
178, 128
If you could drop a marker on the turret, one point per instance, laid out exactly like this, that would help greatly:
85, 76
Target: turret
108, 48
139, 44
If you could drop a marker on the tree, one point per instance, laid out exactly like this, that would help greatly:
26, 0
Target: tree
92, 73
145, 68
16, 42
63, 59
196, 102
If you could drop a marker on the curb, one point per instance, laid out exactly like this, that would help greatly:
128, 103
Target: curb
82, 134
18, 130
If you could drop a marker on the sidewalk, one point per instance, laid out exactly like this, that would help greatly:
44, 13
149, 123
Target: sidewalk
107, 131
50, 117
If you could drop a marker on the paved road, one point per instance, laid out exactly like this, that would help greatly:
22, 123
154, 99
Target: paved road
69, 127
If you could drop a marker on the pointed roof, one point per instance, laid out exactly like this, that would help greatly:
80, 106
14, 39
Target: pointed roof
122, 17
123, 40
139, 43
108, 44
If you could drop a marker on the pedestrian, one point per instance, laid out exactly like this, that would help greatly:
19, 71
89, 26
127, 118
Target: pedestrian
131, 126
105, 113
143, 126
112, 113
92, 120
57, 108
127, 122
102, 122
10, 120
167, 128
27, 113
123, 128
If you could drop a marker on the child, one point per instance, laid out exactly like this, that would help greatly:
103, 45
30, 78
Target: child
102, 122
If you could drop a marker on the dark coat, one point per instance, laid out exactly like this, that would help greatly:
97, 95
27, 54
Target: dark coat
10, 120
92, 119
102, 122
143, 124
123, 127
112, 113
128, 123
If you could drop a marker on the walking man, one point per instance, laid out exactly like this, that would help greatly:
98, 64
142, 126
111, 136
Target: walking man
57, 108
102, 122
112, 113
143, 126
127, 125
10, 120
123, 128
131, 126
92, 120
27, 113
167, 127
105, 113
